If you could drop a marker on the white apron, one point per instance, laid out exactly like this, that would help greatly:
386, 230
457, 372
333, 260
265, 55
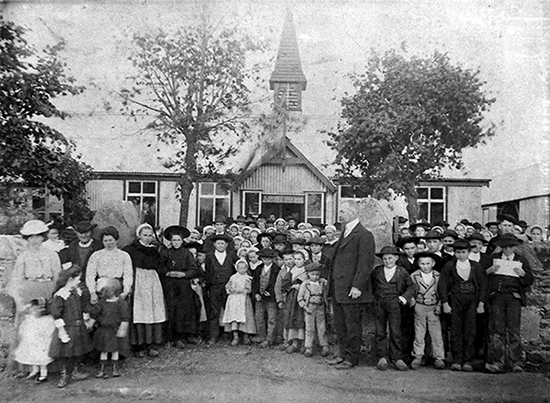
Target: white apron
148, 298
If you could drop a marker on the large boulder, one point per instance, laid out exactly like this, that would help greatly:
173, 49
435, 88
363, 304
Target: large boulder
11, 246
120, 214
373, 218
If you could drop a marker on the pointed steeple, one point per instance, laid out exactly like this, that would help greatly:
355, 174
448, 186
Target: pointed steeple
288, 79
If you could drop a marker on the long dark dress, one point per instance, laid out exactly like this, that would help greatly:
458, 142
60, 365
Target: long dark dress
294, 323
182, 303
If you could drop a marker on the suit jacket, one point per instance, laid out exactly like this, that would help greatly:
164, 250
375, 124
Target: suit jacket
217, 273
351, 266
405, 286
406, 264
270, 284
449, 276
524, 283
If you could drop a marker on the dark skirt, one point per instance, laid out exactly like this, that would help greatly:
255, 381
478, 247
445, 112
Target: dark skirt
106, 341
79, 343
294, 314
183, 307
144, 334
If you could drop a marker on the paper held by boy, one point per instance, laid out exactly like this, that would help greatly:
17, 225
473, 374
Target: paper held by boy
506, 267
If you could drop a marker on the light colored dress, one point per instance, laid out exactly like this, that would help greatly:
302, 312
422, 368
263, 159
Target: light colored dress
109, 264
35, 337
238, 313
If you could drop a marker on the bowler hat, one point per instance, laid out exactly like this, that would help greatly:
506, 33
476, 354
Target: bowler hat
523, 224
406, 239
221, 218
507, 217
176, 230
287, 251
477, 226
432, 234
34, 227
221, 237
477, 237
240, 218
434, 256
422, 223
461, 244
507, 240
84, 226
314, 267
450, 232
317, 240
193, 245
279, 238
268, 252
389, 250
490, 224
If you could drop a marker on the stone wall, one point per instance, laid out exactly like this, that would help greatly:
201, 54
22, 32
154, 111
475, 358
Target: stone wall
536, 316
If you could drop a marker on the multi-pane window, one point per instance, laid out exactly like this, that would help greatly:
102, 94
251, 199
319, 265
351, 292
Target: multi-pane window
45, 205
252, 203
213, 202
431, 203
144, 196
315, 208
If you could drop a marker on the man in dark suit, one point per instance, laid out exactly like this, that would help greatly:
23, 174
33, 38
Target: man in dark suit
350, 286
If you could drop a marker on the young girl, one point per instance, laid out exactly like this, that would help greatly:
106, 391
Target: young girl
35, 334
112, 316
238, 315
294, 315
69, 307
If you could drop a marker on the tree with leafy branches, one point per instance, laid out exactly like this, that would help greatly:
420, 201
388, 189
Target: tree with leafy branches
33, 154
408, 118
193, 84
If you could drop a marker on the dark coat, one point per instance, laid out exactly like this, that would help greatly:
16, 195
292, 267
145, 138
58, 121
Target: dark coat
270, 285
70, 254
449, 276
406, 264
405, 286
217, 273
524, 283
351, 266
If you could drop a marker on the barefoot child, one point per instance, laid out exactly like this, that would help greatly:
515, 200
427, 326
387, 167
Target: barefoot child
69, 306
35, 334
112, 316
312, 297
239, 315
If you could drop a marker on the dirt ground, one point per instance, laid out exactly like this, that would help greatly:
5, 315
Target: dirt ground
249, 374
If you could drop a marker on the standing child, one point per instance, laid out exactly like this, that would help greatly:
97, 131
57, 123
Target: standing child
392, 287
462, 288
294, 314
112, 316
427, 308
35, 334
288, 263
69, 306
239, 315
312, 297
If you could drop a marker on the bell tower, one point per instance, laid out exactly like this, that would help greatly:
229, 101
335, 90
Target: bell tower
288, 80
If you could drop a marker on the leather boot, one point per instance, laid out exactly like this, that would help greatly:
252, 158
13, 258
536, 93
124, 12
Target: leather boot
115, 369
64, 380
102, 374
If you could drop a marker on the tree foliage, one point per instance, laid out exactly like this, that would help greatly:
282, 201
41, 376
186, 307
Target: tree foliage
193, 84
408, 118
31, 152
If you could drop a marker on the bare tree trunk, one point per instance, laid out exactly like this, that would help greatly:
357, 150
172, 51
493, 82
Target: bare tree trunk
412, 203
186, 187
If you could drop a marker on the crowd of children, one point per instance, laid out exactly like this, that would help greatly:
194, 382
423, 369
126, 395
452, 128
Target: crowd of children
440, 295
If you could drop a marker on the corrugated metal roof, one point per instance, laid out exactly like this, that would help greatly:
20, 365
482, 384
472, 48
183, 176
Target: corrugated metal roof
288, 67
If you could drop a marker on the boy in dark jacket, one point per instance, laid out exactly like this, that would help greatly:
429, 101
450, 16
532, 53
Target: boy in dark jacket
263, 291
507, 291
392, 288
462, 289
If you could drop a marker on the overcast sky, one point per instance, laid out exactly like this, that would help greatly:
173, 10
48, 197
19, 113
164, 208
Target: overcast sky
507, 39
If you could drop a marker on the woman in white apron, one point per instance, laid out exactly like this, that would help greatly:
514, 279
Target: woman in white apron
148, 306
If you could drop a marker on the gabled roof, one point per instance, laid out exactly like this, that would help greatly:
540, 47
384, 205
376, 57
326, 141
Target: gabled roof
288, 68
274, 157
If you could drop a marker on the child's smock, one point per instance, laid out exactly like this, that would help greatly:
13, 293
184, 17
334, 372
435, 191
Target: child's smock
238, 307
35, 335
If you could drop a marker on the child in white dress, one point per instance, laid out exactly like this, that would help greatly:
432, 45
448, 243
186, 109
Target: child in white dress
36, 332
239, 315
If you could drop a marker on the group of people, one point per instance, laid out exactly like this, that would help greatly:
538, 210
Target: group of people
438, 295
